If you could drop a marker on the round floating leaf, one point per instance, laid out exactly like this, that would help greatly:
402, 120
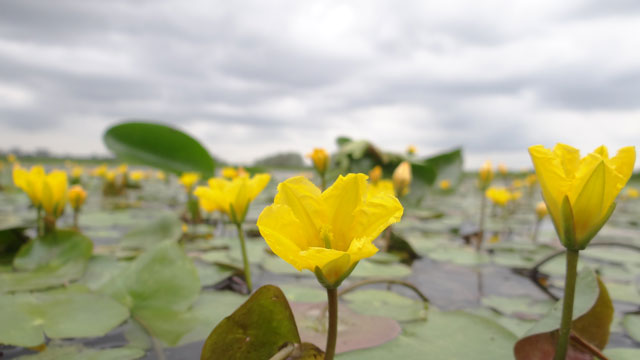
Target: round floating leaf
59, 314
166, 227
395, 306
256, 330
622, 354
159, 146
78, 352
445, 336
53, 251
631, 324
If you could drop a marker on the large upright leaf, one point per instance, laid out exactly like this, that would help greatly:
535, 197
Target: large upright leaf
159, 146
256, 330
592, 316
447, 166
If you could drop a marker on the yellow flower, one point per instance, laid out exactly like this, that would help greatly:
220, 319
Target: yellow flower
110, 176
329, 232
632, 193
11, 158
77, 196
541, 210
531, 180
122, 169
54, 193
31, 182
517, 183
320, 159
137, 175
242, 172
502, 169
498, 195
76, 172
229, 172
485, 175
375, 174
579, 192
189, 179
100, 170
402, 178
232, 196
160, 175
411, 150
445, 185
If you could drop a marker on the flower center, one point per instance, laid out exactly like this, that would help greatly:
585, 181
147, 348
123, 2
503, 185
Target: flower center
326, 235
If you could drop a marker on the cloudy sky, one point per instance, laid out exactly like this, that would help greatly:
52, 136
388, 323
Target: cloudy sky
250, 78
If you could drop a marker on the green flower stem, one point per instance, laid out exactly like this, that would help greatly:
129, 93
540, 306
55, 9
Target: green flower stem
75, 218
245, 258
332, 334
567, 304
483, 205
536, 230
39, 225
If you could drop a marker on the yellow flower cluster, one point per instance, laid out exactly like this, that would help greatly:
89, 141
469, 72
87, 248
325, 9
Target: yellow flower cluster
46, 191
499, 195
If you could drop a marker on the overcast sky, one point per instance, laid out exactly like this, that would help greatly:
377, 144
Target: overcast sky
250, 78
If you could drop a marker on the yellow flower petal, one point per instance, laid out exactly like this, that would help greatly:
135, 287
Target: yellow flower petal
342, 200
303, 198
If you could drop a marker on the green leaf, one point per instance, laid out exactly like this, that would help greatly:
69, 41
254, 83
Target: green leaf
592, 316
166, 227
11, 240
395, 306
49, 261
159, 146
256, 330
59, 313
53, 250
622, 354
78, 352
162, 277
444, 336
631, 324
447, 166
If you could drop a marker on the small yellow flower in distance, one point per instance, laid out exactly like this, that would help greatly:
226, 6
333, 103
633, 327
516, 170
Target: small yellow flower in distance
579, 192
320, 159
122, 169
229, 172
76, 172
77, 196
11, 158
499, 195
232, 196
110, 176
185, 228
445, 184
137, 175
541, 210
632, 193
375, 174
242, 172
160, 175
329, 232
485, 175
402, 178
100, 171
188, 180
494, 239
502, 169
31, 182
382, 186
531, 180
411, 150
517, 183
54, 193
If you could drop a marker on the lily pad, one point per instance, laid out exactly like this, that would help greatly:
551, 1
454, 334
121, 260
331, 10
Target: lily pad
53, 250
58, 314
166, 227
78, 352
395, 306
631, 324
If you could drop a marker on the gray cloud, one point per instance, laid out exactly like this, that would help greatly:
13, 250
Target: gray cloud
252, 77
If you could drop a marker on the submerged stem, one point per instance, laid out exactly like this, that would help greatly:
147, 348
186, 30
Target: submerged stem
332, 334
245, 258
483, 205
567, 304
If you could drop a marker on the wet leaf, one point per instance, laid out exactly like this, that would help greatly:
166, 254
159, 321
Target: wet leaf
159, 146
389, 303
256, 330
53, 250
